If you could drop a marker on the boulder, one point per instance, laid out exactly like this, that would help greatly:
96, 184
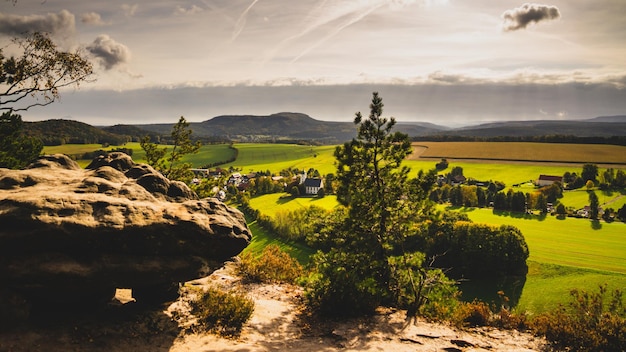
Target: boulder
71, 235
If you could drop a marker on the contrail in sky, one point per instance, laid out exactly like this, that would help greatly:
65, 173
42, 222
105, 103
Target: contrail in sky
342, 26
241, 22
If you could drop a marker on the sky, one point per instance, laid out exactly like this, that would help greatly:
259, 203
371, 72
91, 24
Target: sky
449, 62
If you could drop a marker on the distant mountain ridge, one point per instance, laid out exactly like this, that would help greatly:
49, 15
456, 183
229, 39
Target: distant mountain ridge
283, 125
616, 118
297, 127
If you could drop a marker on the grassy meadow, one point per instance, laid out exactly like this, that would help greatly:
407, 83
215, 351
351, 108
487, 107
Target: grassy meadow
564, 254
276, 157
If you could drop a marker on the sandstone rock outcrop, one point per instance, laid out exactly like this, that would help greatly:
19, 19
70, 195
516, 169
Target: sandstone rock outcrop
75, 235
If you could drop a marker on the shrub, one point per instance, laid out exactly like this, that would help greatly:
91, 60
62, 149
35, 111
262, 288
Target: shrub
588, 323
222, 312
475, 313
272, 266
342, 284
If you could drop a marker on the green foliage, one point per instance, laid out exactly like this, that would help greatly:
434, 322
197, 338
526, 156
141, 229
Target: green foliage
420, 289
16, 149
621, 213
297, 224
478, 250
169, 164
363, 262
38, 72
588, 323
59, 132
272, 266
295, 191
343, 283
594, 205
589, 173
222, 312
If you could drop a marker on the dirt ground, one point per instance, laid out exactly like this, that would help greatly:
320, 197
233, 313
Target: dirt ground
276, 325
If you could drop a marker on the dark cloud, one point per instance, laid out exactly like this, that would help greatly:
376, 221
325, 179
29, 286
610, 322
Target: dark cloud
53, 23
520, 17
109, 52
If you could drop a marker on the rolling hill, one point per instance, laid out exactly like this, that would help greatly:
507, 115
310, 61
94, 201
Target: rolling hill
285, 126
296, 127
56, 132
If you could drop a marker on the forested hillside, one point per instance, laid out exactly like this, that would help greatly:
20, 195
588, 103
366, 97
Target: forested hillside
56, 132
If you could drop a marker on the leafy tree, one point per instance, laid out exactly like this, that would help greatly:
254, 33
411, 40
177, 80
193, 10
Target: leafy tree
552, 192
456, 171
295, 191
594, 205
621, 213
590, 172
34, 77
518, 202
589, 184
367, 261
560, 210
169, 164
499, 201
608, 214
16, 149
541, 203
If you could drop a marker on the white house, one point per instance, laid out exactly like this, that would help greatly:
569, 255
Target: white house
311, 185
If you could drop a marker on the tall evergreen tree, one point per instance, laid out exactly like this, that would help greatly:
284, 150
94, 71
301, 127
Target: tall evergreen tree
594, 205
367, 264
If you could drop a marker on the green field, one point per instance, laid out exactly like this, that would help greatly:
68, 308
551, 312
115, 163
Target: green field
564, 254
269, 204
570, 241
276, 157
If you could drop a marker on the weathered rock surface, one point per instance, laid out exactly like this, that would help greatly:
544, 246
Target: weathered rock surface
75, 235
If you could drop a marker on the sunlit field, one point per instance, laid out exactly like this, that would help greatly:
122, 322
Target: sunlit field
269, 204
276, 157
523, 151
564, 254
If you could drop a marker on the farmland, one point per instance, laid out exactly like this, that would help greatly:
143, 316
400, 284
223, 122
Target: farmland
523, 152
564, 254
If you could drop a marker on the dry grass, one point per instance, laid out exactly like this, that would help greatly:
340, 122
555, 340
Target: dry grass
522, 151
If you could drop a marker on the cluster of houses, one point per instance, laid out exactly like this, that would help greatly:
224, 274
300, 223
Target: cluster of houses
311, 185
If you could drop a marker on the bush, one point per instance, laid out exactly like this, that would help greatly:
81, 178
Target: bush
342, 285
472, 314
272, 266
222, 312
588, 323
477, 313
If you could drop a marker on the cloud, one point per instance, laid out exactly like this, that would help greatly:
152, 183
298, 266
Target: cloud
520, 17
109, 52
130, 10
194, 9
92, 18
53, 23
